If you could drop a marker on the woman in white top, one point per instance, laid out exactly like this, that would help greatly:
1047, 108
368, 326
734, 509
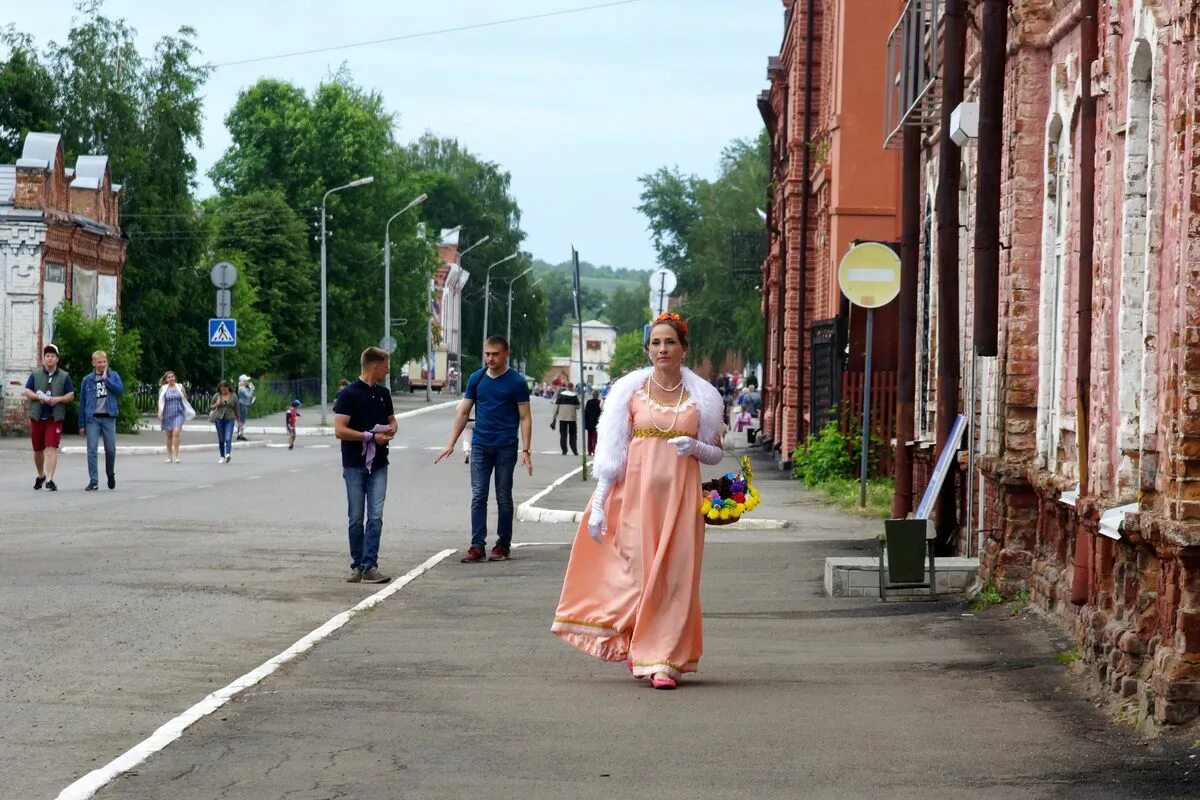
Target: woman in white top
172, 410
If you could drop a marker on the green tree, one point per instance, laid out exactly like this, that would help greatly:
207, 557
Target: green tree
692, 221
268, 240
627, 311
78, 337
628, 354
146, 117
299, 147
27, 95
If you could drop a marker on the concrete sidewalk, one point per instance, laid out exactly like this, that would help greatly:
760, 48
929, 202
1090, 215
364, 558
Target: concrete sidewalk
454, 688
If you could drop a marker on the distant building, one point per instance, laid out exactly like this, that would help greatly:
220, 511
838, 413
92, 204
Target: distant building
60, 239
599, 341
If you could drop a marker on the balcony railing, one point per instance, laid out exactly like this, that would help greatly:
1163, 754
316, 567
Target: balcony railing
911, 93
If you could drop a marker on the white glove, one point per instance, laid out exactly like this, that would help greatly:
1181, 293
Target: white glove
596, 521
705, 453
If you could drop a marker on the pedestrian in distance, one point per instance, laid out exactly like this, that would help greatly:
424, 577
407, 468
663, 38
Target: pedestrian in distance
566, 408
632, 587
245, 399
364, 420
173, 410
289, 418
591, 419
48, 391
98, 393
223, 413
499, 396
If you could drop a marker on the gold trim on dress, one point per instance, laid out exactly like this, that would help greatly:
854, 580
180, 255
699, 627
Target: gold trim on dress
655, 433
684, 397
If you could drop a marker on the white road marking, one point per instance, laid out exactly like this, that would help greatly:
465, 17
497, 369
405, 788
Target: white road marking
297, 469
148, 497
318, 446
253, 477
95, 780
205, 486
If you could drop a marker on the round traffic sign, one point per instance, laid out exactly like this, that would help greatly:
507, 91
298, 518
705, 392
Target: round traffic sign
869, 274
388, 344
224, 275
662, 281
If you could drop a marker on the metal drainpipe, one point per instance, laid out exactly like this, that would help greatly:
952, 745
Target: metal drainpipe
1089, 46
946, 208
806, 188
906, 351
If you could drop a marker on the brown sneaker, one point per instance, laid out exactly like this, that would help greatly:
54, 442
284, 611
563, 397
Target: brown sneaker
474, 555
355, 576
373, 575
499, 553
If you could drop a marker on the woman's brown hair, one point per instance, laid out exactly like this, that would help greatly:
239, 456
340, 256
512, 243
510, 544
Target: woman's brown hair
676, 323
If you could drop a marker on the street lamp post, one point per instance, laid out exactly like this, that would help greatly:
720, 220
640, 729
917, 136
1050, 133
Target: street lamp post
487, 294
324, 294
511, 281
387, 277
454, 315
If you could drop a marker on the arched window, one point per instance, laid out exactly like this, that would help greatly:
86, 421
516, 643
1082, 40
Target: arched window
1052, 330
1131, 314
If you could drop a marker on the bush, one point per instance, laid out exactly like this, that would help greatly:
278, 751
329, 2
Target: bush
824, 457
267, 402
77, 337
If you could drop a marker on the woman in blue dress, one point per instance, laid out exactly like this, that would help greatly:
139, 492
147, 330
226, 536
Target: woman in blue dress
172, 407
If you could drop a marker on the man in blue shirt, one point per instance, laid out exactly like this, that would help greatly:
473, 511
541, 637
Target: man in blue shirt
500, 397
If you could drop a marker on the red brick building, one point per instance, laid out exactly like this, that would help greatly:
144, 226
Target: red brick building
1085, 486
60, 239
832, 186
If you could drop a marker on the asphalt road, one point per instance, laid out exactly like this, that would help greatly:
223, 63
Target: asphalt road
124, 608
120, 605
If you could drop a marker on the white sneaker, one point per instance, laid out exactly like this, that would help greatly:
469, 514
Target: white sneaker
220, 459
228, 457
169, 460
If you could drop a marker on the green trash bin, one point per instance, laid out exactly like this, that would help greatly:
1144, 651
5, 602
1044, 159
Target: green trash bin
908, 547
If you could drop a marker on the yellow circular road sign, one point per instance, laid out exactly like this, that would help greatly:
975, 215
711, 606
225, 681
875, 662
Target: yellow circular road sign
869, 274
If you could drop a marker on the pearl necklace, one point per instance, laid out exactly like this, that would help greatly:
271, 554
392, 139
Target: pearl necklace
650, 406
664, 388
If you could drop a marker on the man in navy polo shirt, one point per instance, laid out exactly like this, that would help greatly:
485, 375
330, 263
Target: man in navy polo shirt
364, 421
500, 397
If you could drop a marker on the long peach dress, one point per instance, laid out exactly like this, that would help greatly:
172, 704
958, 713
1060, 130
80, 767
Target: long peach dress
636, 593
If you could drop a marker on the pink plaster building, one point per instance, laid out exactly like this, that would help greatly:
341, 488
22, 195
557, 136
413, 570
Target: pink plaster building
1086, 485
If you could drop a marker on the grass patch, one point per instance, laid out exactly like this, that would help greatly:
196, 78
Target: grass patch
844, 493
1068, 656
988, 596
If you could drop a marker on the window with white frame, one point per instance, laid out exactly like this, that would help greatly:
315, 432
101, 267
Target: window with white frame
1051, 333
1132, 310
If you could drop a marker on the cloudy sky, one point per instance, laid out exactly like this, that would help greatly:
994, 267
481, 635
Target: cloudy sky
576, 106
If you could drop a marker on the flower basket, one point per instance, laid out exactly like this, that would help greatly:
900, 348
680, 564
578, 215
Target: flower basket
725, 499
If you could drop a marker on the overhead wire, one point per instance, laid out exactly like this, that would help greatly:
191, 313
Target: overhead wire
425, 34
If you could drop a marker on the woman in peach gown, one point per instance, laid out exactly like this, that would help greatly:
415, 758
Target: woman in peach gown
632, 588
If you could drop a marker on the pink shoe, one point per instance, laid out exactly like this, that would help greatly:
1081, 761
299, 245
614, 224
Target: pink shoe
663, 682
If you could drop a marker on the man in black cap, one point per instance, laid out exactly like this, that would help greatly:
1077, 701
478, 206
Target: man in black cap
48, 391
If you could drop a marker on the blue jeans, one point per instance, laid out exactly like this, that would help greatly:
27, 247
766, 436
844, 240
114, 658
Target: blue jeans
224, 436
95, 427
365, 494
484, 460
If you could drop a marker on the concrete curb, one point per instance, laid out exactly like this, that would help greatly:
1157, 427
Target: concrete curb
160, 450
530, 512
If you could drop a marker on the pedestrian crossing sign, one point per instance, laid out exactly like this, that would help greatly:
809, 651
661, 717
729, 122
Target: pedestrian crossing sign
222, 333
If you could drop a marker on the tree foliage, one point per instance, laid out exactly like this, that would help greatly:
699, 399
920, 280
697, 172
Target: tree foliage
289, 147
628, 354
692, 221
